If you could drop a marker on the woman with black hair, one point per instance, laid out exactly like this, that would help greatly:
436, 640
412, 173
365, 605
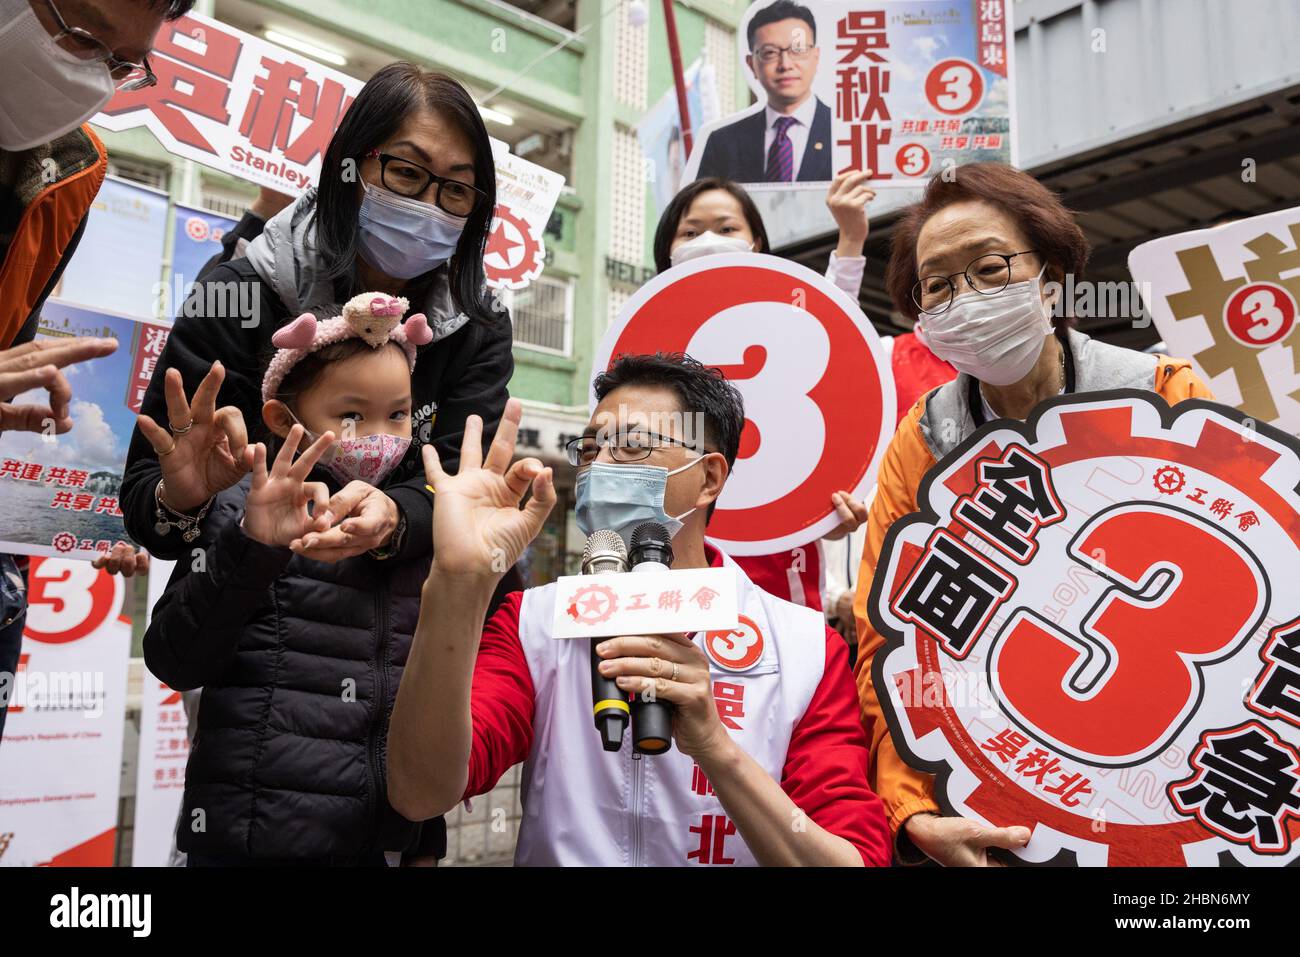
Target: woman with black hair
406, 195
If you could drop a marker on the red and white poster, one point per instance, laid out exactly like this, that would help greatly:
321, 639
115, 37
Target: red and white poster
526, 195
164, 751
819, 396
236, 103
1090, 630
242, 105
903, 88
61, 758
1228, 298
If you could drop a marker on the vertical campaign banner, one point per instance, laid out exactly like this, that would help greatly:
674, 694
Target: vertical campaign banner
236, 103
660, 131
164, 751
1226, 298
61, 758
59, 493
903, 88
196, 238
119, 260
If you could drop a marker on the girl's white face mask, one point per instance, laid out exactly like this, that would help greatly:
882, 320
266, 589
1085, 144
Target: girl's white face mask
45, 91
706, 244
993, 338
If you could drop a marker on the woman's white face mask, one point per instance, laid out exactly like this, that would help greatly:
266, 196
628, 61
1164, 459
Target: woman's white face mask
993, 338
706, 244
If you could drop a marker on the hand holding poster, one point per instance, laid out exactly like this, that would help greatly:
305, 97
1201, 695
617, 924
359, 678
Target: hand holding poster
59, 493
1227, 297
819, 396
1088, 633
899, 87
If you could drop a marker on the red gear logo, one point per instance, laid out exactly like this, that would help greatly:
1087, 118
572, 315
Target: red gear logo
1169, 480
593, 604
1036, 726
65, 541
521, 268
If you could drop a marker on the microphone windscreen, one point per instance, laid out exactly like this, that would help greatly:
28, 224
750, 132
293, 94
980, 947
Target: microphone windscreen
604, 547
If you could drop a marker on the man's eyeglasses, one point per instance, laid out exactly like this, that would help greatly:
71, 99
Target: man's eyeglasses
83, 45
409, 179
630, 446
770, 52
987, 275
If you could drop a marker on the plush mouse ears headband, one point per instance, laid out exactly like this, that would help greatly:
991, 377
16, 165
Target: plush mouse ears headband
371, 316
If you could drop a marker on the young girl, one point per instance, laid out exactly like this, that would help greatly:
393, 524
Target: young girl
299, 659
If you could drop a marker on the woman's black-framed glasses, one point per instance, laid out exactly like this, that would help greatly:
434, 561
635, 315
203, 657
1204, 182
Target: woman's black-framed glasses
634, 445
987, 275
84, 46
405, 178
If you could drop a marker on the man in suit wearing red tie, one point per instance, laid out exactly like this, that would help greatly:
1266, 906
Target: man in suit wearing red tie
789, 140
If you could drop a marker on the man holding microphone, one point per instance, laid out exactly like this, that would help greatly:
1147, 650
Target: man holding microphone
769, 763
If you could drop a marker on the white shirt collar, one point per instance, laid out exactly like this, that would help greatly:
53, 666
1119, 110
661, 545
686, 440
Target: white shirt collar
804, 114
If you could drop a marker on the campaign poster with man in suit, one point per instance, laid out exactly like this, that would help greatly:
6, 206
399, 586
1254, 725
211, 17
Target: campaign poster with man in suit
902, 88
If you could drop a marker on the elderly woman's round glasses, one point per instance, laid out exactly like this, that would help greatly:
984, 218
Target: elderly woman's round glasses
411, 179
987, 275
83, 45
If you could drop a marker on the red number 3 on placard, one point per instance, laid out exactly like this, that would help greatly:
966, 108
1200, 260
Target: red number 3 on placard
1183, 594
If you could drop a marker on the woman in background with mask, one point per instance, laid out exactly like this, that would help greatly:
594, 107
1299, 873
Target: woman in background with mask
717, 216
406, 195
970, 264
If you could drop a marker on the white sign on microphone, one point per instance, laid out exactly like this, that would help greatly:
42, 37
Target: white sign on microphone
645, 603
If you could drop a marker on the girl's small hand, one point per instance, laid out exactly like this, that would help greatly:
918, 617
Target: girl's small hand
276, 512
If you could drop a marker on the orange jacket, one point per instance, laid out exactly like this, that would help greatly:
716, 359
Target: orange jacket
47, 225
905, 791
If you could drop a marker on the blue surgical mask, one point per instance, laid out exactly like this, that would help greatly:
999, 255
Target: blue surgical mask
621, 497
403, 237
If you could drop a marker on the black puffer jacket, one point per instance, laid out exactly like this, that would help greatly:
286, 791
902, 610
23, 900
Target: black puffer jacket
299, 662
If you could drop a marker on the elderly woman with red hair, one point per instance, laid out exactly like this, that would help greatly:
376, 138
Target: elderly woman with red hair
978, 264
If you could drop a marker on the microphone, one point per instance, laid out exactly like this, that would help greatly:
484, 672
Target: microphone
652, 721
605, 552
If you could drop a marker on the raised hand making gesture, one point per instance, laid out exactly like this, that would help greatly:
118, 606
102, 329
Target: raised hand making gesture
478, 527
276, 511
204, 449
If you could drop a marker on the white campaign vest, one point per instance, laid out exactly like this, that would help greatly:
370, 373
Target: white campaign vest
588, 807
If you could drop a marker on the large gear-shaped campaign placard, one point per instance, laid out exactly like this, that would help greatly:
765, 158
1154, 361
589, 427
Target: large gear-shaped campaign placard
1090, 630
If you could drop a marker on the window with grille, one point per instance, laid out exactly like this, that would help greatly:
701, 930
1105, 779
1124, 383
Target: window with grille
720, 50
542, 314
136, 171
229, 204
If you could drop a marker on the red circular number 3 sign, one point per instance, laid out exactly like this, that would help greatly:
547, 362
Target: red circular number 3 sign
1099, 597
954, 86
819, 397
1260, 314
68, 600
